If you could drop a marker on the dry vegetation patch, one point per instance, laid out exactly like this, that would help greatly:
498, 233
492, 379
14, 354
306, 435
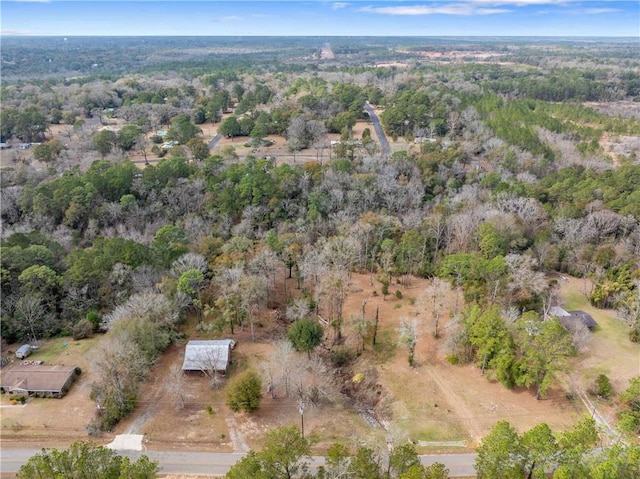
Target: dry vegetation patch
378, 394
437, 401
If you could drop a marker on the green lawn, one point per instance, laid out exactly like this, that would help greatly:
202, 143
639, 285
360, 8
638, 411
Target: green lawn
54, 349
610, 351
609, 326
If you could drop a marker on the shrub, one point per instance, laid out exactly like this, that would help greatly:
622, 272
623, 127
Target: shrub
603, 386
340, 357
398, 294
305, 335
82, 330
244, 392
94, 318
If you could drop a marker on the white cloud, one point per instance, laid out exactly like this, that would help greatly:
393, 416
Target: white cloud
230, 18
449, 9
339, 5
472, 7
520, 3
15, 32
598, 11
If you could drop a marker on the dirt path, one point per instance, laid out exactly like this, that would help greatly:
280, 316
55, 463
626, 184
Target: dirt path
239, 444
462, 412
602, 421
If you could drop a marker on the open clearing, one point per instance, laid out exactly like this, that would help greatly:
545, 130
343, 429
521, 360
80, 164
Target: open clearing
610, 351
435, 404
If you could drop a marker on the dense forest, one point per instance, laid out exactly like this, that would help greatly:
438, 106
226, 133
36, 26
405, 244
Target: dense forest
505, 171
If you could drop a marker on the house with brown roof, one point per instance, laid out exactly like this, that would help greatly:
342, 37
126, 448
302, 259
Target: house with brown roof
38, 380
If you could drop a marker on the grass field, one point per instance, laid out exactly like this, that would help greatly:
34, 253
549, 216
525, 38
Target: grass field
610, 351
57, 348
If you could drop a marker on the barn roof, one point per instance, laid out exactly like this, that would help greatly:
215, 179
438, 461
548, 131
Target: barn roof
201, 355
37, 378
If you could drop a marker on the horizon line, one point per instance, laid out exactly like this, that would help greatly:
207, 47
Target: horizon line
45, 35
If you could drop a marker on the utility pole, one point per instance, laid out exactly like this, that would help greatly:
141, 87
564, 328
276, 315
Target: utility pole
301, 406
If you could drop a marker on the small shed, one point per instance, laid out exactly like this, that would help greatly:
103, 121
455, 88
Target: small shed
23, 351
208, 355
38, 380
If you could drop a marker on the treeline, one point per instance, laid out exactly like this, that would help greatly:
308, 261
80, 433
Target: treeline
551, 225
537, 453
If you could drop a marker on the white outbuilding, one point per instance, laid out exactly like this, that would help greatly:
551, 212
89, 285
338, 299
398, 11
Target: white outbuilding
208, 355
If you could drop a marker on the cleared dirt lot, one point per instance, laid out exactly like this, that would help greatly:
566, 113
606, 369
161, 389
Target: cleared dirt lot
435, 404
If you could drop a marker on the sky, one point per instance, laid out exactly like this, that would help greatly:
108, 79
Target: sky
609, 18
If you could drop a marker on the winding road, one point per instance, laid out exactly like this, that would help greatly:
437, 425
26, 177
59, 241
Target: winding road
382, 138
217, 464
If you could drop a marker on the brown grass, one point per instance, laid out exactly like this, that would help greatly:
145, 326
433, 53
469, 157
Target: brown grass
431, 403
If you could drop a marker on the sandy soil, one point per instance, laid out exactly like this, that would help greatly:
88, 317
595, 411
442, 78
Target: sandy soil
621, 147
435, 403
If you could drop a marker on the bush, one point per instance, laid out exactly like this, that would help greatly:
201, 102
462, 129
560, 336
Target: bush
94, 318
398, 294
82, 330
244, 392
340, 357
603, 386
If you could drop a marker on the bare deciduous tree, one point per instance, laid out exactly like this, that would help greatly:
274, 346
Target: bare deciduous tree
121, 366
281, 359
210, 363
176, 384
408, 332
525, 281
189, 261
438, 293
30, 318
153, 306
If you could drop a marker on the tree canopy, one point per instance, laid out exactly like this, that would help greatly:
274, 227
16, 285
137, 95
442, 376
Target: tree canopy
84, 460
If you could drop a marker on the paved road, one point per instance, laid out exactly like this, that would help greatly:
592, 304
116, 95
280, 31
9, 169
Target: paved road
207, 463
382, 138
214, 141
